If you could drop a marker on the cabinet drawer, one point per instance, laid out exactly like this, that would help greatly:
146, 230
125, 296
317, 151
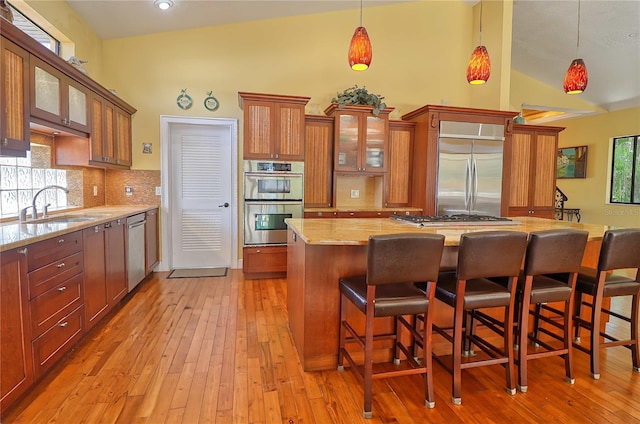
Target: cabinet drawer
58, 340
49, 276
54, 304
47, 251
265, 259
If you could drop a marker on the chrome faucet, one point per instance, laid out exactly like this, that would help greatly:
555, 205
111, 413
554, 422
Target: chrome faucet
34, 212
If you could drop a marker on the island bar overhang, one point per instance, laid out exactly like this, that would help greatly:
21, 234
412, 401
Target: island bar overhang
320, 251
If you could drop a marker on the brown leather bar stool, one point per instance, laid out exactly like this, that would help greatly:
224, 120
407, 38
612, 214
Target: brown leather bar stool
394, 263
552, 251
620, 250
482, 255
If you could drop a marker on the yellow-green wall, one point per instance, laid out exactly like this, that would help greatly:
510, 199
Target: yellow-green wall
589, 194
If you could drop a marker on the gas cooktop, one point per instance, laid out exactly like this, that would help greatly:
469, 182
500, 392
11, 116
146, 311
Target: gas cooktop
452, 220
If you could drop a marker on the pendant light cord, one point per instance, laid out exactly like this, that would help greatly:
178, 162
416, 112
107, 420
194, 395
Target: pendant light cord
360, 12
480, 22
578, 42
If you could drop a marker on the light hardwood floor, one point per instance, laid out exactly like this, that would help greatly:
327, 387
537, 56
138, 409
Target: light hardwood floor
219, 350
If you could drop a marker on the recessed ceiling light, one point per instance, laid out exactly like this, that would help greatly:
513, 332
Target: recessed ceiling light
163, 4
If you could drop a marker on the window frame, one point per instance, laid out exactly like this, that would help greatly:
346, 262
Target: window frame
53, 41
635, 170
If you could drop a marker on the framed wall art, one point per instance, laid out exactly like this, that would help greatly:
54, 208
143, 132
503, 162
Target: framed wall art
571, 162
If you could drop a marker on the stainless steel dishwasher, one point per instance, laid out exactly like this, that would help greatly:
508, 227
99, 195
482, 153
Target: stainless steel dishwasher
135, 249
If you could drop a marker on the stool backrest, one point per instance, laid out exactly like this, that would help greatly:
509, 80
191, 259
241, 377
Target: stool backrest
487, 254
555, 251
620, 249
404, 258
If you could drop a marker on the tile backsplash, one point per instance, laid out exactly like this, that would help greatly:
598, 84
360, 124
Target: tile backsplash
88, 186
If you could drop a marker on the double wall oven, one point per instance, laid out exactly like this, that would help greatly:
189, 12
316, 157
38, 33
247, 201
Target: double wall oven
272, 193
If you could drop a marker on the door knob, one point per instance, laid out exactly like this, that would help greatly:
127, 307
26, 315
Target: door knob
225, 205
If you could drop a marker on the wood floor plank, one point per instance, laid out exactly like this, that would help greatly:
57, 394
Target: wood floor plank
219, 350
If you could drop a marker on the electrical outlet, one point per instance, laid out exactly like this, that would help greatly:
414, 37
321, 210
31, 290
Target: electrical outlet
95, 190
158, 191
355, 194
128, 191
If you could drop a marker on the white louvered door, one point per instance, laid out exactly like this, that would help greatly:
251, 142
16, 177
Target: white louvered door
201, 184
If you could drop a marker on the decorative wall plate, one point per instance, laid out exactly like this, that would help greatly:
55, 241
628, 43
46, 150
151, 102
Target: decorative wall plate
184, 100
210, 102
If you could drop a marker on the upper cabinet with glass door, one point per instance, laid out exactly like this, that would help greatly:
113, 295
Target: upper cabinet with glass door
57, 99
361, 139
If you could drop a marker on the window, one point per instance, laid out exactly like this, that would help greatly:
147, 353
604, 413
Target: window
625, 170
20, 180
34, 31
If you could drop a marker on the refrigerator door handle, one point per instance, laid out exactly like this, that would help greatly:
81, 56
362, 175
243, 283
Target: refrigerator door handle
474, 173
467, 185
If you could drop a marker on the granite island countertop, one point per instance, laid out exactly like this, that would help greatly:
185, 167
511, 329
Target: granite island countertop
356, 231
15, 234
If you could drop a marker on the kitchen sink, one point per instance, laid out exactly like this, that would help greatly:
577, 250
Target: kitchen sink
67, 218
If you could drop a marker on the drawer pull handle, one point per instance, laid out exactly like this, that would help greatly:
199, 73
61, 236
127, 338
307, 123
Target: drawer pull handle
61, 289
23, 251
60, 241
61, 265
64, 324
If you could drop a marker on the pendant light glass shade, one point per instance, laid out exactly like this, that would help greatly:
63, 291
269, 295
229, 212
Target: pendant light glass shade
576, 79
360, 50
479, 67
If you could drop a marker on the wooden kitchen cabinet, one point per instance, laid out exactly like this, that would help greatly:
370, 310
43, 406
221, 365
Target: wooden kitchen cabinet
109, 144
55, 285
16, 361
151, 241
14, 100
264, 262
318, 162
533, 171
397, 187
360, 139
115, 261
56, 98
96, 298
425, 149
273, 126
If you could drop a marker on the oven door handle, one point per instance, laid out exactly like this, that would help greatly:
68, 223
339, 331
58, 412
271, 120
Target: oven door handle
273, 202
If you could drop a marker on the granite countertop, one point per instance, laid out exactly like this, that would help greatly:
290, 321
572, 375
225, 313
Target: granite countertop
16, 234
356, 231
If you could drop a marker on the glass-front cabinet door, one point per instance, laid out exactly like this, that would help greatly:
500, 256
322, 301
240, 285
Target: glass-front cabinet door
374, 153
347, 152
57, 99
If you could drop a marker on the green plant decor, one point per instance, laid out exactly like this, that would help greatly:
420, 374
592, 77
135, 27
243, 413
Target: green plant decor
359, 96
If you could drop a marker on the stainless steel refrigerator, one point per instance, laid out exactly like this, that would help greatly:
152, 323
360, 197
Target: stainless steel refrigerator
469, 168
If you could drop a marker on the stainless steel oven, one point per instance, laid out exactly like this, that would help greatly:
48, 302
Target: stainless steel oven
272, 192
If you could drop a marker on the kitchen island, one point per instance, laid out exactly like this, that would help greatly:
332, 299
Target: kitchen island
320, 251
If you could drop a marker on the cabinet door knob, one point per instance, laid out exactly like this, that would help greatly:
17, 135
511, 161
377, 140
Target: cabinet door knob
258, 251
64, 324
61, 265
60, 241
61, 289
23, 251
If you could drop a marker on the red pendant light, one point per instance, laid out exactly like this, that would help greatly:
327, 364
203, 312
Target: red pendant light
479, 67
360, 51
576, 78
